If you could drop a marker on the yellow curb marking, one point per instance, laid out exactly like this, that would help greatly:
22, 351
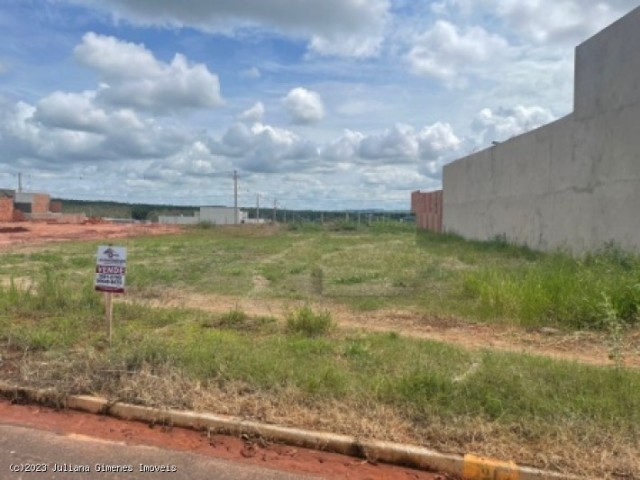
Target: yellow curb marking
479, 468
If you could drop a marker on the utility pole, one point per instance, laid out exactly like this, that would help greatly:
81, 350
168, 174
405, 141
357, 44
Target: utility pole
235, 197
19, 182
258, 208
274, 210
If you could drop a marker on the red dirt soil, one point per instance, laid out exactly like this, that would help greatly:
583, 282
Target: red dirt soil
34, 233
278, 457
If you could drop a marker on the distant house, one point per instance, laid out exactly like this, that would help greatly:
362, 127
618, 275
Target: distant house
20, 206
32, 203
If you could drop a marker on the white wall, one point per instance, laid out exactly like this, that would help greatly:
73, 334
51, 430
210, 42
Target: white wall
221, 215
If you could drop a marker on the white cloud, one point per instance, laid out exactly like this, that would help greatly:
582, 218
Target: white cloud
566, 21
398, 143
542, 21
446, 54
343, 149
397, 178
437, 140
253, 114
194, 160
403, 144
509, 122
133, 77
67, 127
333, 27
253, 73
264, 148
71, 111
360, 46
304, 106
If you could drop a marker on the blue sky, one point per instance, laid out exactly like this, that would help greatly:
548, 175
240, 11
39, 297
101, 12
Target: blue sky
338, 104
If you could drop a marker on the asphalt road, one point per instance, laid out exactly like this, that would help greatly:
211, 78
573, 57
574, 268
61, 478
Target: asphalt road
48, 454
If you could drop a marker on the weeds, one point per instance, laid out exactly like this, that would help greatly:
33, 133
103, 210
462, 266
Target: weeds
615, 329
233, 318
317, 280
309, 323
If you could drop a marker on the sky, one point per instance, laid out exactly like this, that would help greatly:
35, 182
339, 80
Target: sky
317, 104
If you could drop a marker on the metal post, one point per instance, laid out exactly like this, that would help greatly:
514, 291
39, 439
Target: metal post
235, 197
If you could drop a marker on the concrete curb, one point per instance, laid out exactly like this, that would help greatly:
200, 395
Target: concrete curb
468, 467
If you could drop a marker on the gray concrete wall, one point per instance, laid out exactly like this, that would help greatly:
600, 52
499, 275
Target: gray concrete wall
221, 215
572, 184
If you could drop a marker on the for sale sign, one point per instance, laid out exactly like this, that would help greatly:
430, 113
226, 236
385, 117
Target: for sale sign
111, 269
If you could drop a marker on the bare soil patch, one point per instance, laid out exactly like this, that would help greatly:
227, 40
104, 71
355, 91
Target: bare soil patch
39, 233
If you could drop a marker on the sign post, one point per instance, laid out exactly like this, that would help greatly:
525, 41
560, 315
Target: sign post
111, 270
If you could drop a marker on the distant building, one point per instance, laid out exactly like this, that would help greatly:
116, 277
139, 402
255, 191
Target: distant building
212, 215
20, 206
222, 215
32, 203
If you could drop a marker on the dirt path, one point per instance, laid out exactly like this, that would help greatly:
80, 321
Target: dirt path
240, 450
585, 347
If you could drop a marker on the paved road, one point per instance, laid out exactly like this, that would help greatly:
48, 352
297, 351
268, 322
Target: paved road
43, 450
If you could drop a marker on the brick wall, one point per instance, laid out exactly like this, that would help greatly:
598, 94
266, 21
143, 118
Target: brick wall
55, 207
40, 203
6, 209
18, 216
427, 207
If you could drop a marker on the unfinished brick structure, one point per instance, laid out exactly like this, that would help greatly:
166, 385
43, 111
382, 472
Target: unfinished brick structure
427, 207
6, 206
32, 203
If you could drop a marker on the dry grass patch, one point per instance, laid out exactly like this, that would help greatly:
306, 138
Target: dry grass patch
570, 448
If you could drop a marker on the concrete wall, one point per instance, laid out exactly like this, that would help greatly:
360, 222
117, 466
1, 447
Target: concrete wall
427, 207
221, 215
574, 183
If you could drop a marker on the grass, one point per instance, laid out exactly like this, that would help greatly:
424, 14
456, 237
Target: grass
397, 388
304, 353
309, 323
369, 268
420, 383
